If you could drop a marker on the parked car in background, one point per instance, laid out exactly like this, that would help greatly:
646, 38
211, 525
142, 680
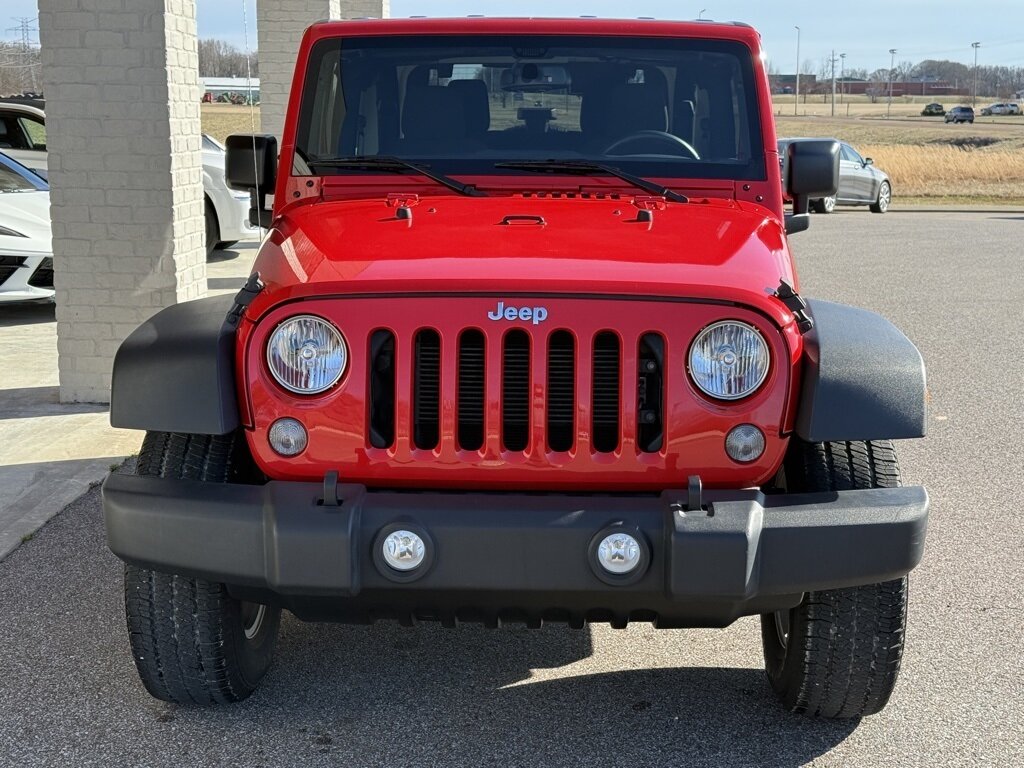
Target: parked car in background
860, 182
1001, 109
227, 210
23, 134
23, 137
933, 110
26, 256
960, 115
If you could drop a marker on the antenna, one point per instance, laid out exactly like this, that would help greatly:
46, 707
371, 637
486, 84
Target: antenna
252, 104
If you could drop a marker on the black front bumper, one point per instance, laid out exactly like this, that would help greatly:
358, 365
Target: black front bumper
522, 557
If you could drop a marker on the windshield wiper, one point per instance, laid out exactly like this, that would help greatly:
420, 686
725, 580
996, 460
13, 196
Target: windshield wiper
588, 167
388, 163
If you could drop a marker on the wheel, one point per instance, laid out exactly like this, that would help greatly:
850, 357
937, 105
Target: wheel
192, 642
212, 228
881, 205
824, 205
837, 654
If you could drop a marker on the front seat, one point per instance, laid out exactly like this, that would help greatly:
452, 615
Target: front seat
433, 121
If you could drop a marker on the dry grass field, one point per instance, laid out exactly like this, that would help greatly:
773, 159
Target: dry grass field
928, 160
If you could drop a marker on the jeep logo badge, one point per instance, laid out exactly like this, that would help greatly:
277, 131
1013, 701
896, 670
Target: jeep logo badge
537, 315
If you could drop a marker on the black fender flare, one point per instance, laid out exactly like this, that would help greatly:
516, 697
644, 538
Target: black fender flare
862, 378
176, 371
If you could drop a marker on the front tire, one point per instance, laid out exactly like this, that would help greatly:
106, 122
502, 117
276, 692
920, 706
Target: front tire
212, 228
837, 654
881, 204
192, 642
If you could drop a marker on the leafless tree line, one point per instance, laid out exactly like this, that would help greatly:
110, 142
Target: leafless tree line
218, 58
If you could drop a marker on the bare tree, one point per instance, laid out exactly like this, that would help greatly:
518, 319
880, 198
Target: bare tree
218, 58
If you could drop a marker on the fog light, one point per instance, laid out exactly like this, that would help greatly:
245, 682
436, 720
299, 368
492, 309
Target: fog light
403, 550
288, 437
618, 553
744, 443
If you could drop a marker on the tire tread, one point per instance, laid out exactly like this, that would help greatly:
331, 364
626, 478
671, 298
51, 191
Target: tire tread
181, 629
845, 645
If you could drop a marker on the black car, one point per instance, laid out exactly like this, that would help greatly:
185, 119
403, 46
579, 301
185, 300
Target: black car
933, 110
960, 115
860, 182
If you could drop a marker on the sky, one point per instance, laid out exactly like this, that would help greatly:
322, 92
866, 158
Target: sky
864, 30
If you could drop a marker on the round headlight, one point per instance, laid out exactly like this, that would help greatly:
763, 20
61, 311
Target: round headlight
728, 360
306, 354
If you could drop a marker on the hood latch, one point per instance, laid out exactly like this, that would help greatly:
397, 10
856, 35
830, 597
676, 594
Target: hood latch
795, 304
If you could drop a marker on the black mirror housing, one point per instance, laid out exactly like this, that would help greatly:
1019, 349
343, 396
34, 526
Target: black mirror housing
251, 165
810, 170
251, 161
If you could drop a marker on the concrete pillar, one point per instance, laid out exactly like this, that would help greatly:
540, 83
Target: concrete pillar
280, 24
126, 199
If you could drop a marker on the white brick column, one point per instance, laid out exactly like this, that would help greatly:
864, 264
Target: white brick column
126, 197
280, 24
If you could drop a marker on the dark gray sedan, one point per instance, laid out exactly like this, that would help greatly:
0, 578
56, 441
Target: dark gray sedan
860, 182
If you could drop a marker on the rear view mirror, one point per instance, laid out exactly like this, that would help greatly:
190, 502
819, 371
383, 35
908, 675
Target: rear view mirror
811, 171
251, 165
529, 77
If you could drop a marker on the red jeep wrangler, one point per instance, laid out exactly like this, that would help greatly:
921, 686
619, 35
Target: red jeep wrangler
524, 343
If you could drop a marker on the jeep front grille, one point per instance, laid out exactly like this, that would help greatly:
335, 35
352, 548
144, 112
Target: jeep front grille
535, 380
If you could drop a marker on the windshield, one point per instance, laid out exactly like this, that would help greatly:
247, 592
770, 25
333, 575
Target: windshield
14, 177
651, 106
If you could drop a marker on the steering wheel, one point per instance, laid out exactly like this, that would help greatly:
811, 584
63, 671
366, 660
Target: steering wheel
662, 136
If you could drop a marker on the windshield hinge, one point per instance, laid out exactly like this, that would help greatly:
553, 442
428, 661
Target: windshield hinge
795, 304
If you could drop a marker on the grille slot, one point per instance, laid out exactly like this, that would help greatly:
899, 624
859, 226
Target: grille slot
561, 391
382, 389
43, 276
650, 416
605, 397
515, 391
8, 266
471, 390
427, 399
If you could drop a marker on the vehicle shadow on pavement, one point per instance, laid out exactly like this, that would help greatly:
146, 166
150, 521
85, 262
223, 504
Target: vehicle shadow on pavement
366, 696
27, 314
471, 691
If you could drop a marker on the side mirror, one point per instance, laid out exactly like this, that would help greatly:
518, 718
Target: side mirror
251, 165
811, 171
868, 161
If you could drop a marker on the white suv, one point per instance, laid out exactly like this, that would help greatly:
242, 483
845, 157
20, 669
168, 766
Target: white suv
1001, 109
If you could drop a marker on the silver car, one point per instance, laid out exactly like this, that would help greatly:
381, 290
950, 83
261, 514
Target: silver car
860, 182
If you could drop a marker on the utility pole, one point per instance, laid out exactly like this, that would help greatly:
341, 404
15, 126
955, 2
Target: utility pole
974, 98
892, 66
833, 82
796, 102
842, 76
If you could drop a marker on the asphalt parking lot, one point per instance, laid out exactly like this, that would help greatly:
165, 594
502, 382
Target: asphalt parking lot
384, 695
